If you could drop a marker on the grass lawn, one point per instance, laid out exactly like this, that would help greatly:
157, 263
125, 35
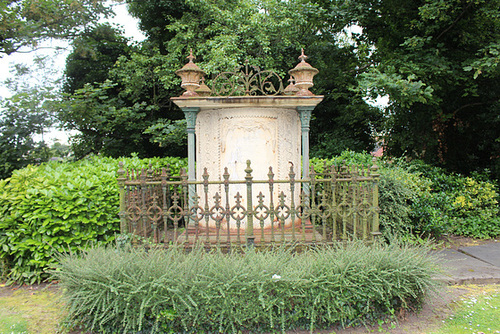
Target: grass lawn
29, 310
478, 312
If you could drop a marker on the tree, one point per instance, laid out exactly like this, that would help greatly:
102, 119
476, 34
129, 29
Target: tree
59, 151
269, 33
438, 62
25, 23
119, 115
105, 122
155, 17
94, 54
25, 114
343, 120
142, 78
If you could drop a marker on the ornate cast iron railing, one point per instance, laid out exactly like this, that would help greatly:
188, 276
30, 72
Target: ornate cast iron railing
339, 203
247, 80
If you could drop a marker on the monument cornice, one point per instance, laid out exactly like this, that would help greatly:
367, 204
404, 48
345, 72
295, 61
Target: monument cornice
219, 102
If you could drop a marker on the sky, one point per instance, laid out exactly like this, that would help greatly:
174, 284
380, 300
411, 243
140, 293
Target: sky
122, 18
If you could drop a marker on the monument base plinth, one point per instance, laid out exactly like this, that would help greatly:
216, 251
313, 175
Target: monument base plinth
289, 233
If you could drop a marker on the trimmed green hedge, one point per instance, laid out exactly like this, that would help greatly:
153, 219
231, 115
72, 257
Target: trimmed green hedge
56, 207
110, 290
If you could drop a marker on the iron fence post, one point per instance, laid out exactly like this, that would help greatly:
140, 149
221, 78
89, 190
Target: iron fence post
121, 184
375, 177
143, 206
249, 231
291, 175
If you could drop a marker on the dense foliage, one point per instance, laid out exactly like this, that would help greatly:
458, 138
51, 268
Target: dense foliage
59, 207
170, 291
425, 56
438, 73
453, 203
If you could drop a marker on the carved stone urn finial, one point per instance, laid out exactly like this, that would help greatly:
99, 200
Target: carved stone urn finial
303, 74
191, 75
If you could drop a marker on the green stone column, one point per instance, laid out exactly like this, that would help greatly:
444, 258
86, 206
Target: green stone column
190, 113
305, 119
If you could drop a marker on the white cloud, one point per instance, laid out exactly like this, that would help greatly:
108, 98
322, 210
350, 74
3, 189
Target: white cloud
129, 24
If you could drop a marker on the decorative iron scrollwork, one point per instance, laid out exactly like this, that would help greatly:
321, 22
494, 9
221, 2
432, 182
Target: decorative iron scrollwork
340, 202
247, 81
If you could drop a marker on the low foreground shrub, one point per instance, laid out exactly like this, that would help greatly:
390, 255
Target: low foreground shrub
111, 290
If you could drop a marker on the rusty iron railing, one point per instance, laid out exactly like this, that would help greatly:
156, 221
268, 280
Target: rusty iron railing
339, 203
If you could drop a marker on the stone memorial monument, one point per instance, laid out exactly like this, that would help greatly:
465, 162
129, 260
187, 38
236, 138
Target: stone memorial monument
247, 120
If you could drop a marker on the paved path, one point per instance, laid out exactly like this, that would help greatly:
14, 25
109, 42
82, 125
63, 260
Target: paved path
472, 264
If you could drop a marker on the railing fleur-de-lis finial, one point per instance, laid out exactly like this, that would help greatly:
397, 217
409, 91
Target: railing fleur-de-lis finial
303, 57
191, 57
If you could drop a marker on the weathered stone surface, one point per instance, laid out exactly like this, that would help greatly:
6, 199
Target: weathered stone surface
231, 130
